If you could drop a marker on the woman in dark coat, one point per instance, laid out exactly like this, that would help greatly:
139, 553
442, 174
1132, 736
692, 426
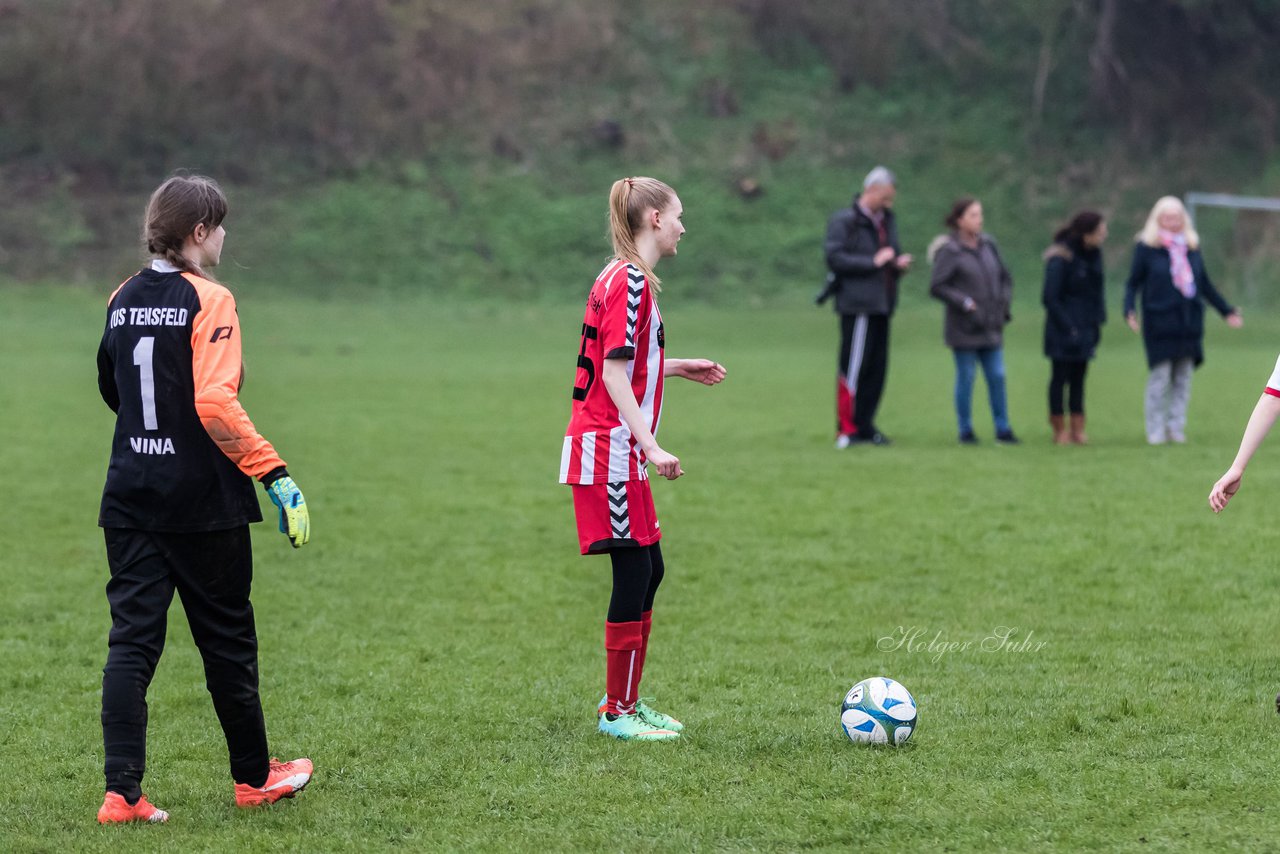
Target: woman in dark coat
1074, 313
970, 277
1170, 276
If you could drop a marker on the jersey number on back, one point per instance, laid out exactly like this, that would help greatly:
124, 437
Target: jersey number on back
142, 358
580, 392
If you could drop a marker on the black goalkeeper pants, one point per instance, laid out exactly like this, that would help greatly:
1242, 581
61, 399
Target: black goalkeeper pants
212, 573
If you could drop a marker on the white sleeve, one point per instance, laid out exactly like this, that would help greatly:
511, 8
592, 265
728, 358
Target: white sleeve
1273, 384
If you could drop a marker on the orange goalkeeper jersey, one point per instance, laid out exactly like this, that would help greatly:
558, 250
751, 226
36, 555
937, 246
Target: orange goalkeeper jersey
169, 365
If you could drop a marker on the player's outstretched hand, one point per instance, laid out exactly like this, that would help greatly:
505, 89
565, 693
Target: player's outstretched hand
703, 371
1227, 486
667, 464
294, 518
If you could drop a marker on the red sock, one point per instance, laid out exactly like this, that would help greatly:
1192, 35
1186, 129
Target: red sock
623, 643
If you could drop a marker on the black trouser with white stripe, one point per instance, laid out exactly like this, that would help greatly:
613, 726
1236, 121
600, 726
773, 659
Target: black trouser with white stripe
864, 360
212, 573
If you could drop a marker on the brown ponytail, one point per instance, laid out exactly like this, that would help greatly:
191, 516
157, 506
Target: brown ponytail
175, 209
629, 200
958, 207
1083, 223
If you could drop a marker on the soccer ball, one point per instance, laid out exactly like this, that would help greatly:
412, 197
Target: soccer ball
878, 711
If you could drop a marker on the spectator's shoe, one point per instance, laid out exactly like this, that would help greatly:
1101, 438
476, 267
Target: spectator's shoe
843, 441
1061, 436
651, 716
284, 780
1177, 437
634, 728
1076, 433
1157, 438
116, 810
1006, 437
968, 438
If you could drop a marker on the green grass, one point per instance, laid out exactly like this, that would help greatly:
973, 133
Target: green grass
437, 648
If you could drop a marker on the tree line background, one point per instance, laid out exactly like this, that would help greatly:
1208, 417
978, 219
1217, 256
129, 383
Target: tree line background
454, 112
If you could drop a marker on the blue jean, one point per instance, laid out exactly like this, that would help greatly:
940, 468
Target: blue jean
992, 360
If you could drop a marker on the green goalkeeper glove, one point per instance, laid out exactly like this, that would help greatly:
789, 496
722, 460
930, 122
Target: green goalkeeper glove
294, 518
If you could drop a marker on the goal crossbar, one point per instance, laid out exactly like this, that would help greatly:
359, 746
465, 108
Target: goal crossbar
1227, 200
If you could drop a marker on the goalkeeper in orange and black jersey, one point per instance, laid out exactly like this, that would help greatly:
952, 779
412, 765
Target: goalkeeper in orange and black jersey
179, 499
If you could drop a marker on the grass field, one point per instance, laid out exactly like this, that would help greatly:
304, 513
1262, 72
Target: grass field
437, 651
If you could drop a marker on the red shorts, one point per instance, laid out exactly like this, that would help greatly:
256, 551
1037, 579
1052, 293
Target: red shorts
615, 515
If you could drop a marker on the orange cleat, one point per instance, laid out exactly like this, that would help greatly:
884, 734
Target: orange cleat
284, 780
115, 810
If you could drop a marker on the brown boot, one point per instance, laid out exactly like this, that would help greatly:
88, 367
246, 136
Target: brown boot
1077, 430
1060, 436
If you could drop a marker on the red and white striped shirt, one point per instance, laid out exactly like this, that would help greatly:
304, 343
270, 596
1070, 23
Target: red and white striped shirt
621, 322
1273, 384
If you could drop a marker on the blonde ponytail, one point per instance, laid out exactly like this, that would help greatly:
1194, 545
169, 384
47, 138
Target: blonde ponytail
629, 200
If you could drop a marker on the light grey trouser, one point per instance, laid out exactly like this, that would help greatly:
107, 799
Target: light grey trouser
1168, 393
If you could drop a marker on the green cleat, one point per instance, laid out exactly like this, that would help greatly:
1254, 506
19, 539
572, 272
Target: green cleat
634, 728
655, 718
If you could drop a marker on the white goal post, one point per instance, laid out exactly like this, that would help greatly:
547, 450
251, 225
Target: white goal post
1226, 200
1254, 265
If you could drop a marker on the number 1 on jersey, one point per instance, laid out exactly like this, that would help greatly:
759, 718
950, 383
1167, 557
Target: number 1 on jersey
142, 358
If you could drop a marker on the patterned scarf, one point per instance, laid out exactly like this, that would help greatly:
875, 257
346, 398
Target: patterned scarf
1183, 279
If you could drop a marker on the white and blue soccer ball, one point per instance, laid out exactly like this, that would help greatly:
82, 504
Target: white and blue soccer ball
878, 711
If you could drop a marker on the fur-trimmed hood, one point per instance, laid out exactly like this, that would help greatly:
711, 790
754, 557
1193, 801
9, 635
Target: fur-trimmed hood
1059, 250
937, 243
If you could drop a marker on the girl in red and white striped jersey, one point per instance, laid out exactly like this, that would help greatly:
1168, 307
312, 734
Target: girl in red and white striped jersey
1264, 417
617, 406
1265, 413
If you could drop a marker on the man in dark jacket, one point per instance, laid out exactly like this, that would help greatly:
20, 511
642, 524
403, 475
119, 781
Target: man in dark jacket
865, 261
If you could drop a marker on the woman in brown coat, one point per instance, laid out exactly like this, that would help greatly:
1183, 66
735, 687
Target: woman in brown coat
972, 280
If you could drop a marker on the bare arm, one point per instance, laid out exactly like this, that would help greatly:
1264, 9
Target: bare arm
702, 371
1260, 423
618, 384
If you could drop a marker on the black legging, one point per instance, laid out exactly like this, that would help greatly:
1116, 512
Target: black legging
1071, 375
637, 572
